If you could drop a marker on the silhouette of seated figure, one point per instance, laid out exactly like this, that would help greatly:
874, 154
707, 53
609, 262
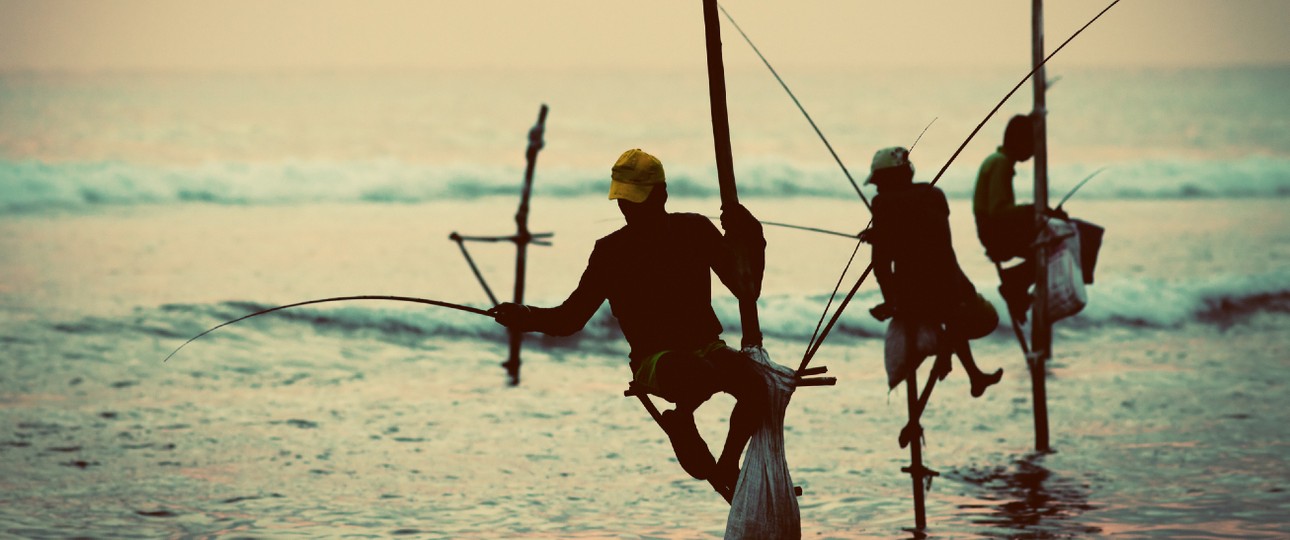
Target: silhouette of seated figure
917, 270
656, 274
1006, 229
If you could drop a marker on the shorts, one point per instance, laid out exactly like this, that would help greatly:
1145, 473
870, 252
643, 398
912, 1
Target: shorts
687, 377
1010, 235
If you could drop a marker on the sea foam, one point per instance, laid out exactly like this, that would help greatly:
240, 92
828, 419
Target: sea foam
1142, 303
33, 186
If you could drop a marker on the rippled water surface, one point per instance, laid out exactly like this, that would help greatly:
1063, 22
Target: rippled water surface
1167, 396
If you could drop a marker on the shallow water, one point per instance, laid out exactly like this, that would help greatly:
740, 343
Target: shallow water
1154, 435
373, 420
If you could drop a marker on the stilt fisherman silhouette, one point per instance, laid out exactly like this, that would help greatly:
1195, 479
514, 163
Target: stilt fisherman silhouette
656, 274
914, 261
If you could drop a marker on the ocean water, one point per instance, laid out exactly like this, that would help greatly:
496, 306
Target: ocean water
77, 141
137, 210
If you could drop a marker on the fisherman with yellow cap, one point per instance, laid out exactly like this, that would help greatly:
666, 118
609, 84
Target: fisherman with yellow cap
914, 261
656, 274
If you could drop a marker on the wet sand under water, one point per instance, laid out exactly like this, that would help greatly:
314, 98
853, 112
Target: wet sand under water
283, 429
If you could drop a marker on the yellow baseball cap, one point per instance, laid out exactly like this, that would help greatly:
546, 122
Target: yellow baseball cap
634, 176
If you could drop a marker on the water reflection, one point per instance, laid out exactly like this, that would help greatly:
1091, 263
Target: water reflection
1026, 500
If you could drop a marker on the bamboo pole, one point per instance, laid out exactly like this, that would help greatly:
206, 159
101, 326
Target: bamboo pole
522, 240
1041, 332
751, 326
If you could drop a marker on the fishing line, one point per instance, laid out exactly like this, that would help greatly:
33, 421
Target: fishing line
799, 106
415, 300
799, 227
833, 321
825, 140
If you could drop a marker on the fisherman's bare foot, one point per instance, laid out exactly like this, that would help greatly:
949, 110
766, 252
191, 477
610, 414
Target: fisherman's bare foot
944, 365
907, 434
985, 381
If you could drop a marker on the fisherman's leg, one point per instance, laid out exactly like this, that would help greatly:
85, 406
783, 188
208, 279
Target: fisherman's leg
944, 361
1014, 287
740, 379
745, 419
979, 380
1016, 235
679, 383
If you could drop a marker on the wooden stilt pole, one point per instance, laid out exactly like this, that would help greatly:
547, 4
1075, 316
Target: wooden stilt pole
915, 468
522, 240
1041, 331
939, 370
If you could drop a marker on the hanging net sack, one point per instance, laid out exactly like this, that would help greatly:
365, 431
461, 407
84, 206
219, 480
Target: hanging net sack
1066, 294
764, 504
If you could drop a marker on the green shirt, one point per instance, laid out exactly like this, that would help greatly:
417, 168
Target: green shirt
993, 196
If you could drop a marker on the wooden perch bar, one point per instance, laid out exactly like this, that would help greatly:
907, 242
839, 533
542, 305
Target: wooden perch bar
818, 370
539, 239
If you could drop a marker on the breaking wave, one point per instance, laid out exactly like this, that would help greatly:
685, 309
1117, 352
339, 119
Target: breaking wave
1114, 303
33, 186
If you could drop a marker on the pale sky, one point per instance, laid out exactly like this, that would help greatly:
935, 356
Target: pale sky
84, 35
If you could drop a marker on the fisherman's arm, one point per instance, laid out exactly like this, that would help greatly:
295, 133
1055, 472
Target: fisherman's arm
880, 239
886, 281
565, 319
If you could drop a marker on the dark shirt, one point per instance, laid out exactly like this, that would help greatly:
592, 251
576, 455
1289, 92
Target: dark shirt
913, 254
657, 282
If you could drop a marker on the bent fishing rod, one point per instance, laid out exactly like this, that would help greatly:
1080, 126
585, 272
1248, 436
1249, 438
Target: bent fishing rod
1077, 186
411, 299
815, 346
